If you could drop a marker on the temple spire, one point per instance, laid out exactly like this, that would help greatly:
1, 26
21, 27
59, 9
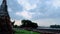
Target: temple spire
4, 3
3, 9
5, 23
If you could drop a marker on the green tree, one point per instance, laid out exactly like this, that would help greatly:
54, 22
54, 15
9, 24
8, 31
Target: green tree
55, 26
28, 23
15, 26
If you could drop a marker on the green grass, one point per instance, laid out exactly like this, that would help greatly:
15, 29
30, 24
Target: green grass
25, 32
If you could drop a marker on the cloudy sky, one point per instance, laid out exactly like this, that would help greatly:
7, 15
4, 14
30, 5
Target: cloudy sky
43, 12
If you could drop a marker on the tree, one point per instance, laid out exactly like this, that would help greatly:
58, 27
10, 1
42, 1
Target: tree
29, 24
55, 26
15, 26
34, 25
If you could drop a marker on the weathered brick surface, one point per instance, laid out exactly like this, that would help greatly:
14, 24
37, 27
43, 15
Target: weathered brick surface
5, 23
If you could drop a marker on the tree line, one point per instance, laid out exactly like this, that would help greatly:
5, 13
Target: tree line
27, 24
30, 24
55, 26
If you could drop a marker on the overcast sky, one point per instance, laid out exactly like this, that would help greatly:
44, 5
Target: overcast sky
43, 12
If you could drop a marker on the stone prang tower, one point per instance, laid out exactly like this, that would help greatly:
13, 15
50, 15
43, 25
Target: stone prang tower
5, 23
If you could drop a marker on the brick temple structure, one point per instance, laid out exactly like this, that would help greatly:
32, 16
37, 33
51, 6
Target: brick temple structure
5, 23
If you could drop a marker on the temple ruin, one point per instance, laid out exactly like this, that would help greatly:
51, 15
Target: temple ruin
5, 23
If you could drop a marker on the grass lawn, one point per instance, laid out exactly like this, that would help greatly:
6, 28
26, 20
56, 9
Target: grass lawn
25, 32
